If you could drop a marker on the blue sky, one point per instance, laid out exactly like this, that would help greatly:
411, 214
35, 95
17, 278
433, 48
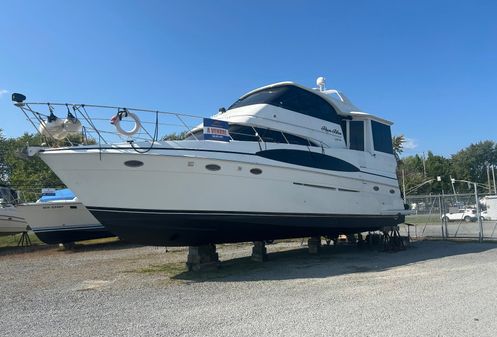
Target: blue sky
429, 66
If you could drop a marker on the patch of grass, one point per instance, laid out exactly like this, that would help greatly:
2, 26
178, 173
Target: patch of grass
422, 219
168, 269
227, 268
178, 271
12, 240
98, 241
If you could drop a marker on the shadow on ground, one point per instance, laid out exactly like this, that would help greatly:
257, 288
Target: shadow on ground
332, 261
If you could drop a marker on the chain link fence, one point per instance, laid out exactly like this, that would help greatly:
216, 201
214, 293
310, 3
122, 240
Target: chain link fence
449, 216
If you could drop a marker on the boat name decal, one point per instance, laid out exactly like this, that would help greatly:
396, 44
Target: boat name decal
334, 131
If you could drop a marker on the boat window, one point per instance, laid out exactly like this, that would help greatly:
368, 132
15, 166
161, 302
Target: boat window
199, 134
292, 98
270, 136
343, 124
243, 133
248, 134
382, 137
292, 139
356, 137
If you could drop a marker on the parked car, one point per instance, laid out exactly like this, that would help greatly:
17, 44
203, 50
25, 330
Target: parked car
484, 215
466, 214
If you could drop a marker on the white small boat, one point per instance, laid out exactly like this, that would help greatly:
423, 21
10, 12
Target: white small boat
62, 219
10, 221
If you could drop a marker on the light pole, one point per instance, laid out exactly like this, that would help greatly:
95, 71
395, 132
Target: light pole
412, 189
480, 235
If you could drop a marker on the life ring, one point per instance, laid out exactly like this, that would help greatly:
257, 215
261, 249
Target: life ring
116, 120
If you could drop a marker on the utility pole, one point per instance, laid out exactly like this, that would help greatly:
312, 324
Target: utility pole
488, 180
453, 188
404, 185
493, 175
424, 166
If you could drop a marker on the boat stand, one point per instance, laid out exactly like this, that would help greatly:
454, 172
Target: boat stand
392, 240
202, 258
314, 245
259, 251
24, 240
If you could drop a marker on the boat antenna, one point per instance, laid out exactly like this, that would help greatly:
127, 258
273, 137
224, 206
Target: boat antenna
321, 81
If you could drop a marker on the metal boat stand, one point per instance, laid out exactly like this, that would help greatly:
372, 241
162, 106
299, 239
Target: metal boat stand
202, 258
314, 245
24, 240
392, 240
259, 251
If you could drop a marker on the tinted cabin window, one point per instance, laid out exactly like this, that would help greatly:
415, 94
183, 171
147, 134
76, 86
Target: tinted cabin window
243, 133
292, 98
343, 124
382, 137
356, 135
298, 140
248, 134
271, 136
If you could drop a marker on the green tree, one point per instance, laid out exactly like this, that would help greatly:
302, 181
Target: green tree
413, 175
471, 163
438, 166
398, 146
27, 173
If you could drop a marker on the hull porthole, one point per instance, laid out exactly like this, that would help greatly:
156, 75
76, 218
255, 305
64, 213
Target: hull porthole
213, 167
256, 171
133, 163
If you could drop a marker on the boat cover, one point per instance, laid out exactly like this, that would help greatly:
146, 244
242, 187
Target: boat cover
63, 194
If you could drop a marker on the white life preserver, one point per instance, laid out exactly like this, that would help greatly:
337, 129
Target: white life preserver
117, 123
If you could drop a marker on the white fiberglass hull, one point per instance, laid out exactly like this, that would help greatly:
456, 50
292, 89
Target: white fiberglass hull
11, 222
169, 196
62, 221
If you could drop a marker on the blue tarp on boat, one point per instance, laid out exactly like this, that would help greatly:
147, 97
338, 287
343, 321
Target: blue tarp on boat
63, 194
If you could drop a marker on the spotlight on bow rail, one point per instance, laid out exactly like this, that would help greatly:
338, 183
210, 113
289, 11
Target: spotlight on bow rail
18, 98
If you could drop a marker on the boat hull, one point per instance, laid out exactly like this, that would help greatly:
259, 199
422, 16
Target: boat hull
68, 235
11, 223
62, 222
180, 228
176, 196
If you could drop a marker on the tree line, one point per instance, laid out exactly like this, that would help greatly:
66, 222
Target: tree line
473, 163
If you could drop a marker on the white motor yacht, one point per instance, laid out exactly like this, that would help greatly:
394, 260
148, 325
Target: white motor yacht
283, 161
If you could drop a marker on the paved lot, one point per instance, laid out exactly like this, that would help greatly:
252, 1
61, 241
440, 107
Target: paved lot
432, 289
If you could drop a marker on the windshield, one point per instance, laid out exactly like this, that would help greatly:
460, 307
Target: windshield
292, 98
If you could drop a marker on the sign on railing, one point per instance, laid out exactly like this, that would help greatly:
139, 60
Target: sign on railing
216, 130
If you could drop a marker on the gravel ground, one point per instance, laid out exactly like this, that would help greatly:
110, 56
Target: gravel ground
435, 288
